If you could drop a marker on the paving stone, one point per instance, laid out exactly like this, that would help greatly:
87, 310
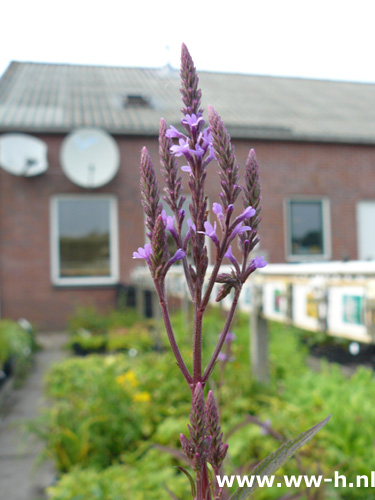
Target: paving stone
20, 477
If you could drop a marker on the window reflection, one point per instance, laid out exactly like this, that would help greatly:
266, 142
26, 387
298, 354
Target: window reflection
306, 227
84, 237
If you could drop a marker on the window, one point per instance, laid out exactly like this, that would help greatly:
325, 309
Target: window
308, 235
365, 229
84, 240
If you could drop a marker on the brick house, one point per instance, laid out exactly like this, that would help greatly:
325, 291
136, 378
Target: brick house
315, 142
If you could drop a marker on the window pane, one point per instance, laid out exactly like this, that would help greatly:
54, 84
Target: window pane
84, 237
306, 228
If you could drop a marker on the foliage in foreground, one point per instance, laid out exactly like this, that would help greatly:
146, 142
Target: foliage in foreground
16, 348
125, 433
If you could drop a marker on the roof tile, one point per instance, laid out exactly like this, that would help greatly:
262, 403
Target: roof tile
58, 97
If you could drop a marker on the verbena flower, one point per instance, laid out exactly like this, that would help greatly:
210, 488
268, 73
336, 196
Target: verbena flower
229, 255
239, 229
182, 148
172, 132
192, 121
169, 222
180, 254
186, 168
210, 231
259, 262
143, 253
200, 145
218, 210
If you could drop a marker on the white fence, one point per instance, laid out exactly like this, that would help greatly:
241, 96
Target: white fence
335, 297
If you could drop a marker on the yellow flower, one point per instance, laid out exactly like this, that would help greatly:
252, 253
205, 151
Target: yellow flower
142, 397
126, 378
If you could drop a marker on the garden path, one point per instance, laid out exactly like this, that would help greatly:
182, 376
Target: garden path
20, 478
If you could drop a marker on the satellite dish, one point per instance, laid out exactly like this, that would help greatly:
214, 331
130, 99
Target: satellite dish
90, 157
22, 154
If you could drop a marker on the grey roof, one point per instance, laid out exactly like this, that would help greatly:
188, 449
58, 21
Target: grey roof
37, 97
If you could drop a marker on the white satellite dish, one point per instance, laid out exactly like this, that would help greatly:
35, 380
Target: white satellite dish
22, 154
90, 157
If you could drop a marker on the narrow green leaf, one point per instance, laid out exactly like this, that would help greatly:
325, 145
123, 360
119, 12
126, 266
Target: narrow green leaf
270, 464
192, 483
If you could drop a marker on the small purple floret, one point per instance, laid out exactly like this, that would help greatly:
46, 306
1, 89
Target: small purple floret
168, 221
239, 229
192, 121
191, 225
218, 210
246, 214
210, 231
173, 133
182, 148
198, 151
259, 262
180, 254
229, 255
143, 253
187, 168
230, 337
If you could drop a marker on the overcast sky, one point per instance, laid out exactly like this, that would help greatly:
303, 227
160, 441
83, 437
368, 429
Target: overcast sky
325, 39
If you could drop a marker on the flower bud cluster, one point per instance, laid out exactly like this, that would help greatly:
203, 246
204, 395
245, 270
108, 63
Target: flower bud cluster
155, 254
205, 443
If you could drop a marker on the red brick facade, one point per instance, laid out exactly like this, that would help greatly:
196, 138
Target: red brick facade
343, 173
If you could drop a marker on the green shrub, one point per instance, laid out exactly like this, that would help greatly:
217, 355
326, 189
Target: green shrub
86, 390
89, 319
139, 479
100, 410
16, 347
137, 337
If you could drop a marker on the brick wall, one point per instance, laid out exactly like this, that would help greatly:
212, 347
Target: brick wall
343, 173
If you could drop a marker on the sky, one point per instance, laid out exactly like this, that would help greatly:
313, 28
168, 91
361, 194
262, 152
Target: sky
324, 39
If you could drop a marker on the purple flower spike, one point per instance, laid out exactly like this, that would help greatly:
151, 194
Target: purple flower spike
210, 231
143, 253
222, 356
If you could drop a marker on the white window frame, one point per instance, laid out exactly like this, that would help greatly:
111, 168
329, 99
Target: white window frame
327, 245
363, 229
54, 243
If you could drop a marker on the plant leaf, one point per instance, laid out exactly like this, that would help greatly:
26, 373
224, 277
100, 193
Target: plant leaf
192, 483
273, 462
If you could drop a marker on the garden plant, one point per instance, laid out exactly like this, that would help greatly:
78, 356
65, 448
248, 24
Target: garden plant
16, 348
140, 405
199, 146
